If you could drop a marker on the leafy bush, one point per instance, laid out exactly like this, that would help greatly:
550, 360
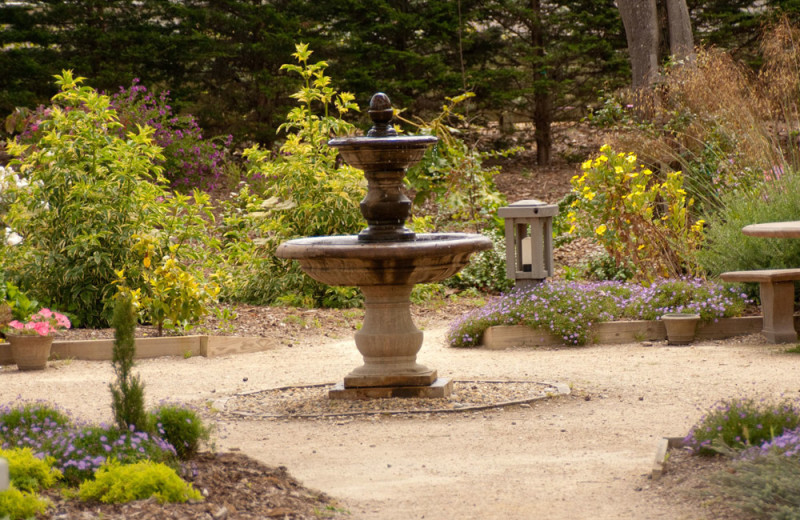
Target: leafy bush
116, 483
181, 427
486, 270
451, 177
741, 423
639, 220
85, 193
302, 192
569, 309
19, 505
27, 472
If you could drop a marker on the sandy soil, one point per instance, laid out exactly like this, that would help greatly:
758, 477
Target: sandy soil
583, 456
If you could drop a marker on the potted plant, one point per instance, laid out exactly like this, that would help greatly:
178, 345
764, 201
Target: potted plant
681, 327
31, 340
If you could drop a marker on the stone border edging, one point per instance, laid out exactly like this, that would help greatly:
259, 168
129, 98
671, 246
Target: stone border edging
186, 346
560, 388
614, 332
660, 463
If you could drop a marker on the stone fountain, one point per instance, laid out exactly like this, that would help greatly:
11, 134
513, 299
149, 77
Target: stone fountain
385, 261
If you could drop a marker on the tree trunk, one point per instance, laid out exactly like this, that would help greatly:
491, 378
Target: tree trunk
542, 104
641, 30
681, 41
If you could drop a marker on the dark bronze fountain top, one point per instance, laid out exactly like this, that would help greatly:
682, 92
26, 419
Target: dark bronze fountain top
384, 156
382, 135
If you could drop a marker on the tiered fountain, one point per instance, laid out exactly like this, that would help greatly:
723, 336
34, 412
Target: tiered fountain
385, 261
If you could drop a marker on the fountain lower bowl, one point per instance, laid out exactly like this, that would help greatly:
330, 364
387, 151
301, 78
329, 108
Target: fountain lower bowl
343, 260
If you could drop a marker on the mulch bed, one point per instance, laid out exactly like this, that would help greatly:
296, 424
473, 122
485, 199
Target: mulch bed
236, 487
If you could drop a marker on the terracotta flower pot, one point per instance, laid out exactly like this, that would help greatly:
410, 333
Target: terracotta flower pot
681, 327
30, 352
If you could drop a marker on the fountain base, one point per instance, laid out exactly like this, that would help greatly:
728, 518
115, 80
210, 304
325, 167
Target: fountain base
441, 387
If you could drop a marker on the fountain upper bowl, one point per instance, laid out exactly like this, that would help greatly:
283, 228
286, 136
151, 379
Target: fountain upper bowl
344, 260
383, 153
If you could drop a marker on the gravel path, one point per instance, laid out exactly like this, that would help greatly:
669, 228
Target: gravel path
581, 456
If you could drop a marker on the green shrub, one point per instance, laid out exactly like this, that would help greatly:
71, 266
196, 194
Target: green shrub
87, 192
299, 192
486, 270
451, 181
181, 427
84, 193
767, 487
116, 483
740, 423
27, 472
19, 505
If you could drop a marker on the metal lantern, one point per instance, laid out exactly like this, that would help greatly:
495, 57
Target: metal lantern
529, 240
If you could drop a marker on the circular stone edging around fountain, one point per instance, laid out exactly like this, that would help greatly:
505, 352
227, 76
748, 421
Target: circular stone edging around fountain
399, 406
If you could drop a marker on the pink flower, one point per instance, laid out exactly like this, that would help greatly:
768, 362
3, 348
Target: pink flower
43, 323
16, 325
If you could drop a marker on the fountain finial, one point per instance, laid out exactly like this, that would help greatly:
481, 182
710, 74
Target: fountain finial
381, 113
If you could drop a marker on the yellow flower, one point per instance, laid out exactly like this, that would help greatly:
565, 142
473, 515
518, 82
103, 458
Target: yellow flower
601, 230
589, 195
586, 164
618, 169
605, 148
631, 158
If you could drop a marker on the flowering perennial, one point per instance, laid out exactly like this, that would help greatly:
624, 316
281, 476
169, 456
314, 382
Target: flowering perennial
44, 323
569, 309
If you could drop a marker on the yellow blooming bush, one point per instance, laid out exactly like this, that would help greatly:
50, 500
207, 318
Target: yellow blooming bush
640, 220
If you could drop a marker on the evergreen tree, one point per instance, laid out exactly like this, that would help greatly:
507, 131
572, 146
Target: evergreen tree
128, 391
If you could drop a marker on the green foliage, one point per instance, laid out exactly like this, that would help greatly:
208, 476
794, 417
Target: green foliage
604, 267
181, 427
20, 505
27, 472
21, 306
87, 192
638, 219
303, 193
116, 483
765, 488
173, 296
27, 417
740, 423
451, 176
127, 392
486, 270
727, 249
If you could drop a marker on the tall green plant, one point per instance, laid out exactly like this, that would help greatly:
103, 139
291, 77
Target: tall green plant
86, 193
128, 391
303, 193
83, 193
452, 174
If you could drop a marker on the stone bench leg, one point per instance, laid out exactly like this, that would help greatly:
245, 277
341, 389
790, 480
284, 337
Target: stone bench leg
777, 305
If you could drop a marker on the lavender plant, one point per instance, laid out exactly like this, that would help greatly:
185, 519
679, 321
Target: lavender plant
77, 449
740, 423
569, 309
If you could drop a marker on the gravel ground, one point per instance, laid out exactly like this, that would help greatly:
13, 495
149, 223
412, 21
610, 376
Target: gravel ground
585, 455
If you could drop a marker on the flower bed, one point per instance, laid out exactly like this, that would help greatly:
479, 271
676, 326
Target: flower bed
571, 311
